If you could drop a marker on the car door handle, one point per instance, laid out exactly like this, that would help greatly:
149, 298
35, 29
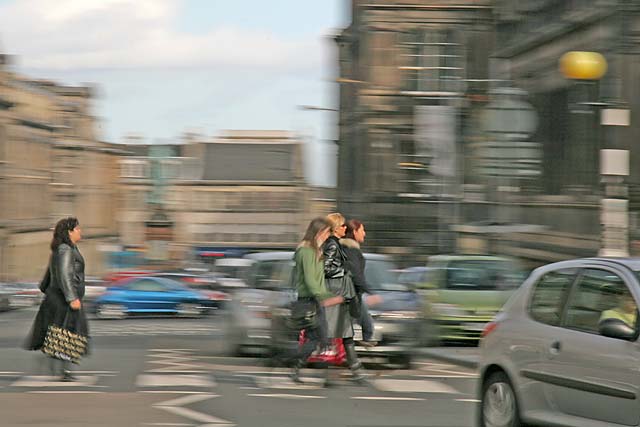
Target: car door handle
555, 347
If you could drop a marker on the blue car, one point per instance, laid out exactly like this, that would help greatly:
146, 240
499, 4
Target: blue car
150, 295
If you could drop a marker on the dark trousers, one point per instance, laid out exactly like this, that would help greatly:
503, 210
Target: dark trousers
314, 337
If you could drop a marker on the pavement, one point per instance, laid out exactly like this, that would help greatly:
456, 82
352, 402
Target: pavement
462, 356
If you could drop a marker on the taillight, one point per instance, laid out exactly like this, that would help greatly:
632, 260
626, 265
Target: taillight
488, 328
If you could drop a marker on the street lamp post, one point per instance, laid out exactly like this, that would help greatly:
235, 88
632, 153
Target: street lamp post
614, 164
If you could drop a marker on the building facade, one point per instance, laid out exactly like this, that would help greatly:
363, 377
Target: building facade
51, 165
242, 189
411, 74
568, 199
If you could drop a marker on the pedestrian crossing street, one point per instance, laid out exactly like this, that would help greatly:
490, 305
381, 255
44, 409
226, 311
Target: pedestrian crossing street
182, 371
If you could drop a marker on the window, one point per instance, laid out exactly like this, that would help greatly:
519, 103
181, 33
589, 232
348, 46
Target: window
481, 275
599, 294
548, 296
147, 285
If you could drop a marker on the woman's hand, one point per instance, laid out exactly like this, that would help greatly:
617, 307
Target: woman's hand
372, 300
75, 304
332, 301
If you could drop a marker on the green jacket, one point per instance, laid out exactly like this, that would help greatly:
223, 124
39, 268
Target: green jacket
309, 275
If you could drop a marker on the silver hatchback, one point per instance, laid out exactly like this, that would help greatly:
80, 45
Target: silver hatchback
564, 350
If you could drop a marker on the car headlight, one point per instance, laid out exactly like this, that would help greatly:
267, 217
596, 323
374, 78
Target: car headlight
447, 310
399, 314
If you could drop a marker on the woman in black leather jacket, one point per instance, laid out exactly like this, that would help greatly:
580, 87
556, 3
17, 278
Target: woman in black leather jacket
338, 281
63, 286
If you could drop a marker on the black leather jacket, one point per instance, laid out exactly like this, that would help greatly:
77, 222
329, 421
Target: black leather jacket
334, 258
66, 272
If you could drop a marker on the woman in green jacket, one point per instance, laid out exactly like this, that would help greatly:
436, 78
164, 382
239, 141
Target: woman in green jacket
309, 280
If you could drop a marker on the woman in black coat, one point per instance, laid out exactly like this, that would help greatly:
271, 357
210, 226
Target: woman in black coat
354, 236
339, 282
63, 286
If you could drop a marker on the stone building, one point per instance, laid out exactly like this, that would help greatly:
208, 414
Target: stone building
411, 74
51, 165
240, 190
566, 198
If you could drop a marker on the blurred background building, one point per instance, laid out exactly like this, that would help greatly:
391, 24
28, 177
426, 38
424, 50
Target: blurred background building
51, 165
411, 74
239, 191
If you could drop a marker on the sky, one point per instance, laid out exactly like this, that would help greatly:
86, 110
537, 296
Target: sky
163, 67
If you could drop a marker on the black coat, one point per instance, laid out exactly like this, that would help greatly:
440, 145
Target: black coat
355, 263
63, 282
334, 258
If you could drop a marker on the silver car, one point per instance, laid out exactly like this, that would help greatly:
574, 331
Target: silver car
564, 350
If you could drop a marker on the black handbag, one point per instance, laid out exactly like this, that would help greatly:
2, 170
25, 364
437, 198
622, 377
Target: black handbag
63, 343
304, 315
355, 306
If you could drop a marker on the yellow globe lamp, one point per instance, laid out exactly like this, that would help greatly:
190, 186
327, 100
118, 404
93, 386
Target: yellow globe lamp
583, 65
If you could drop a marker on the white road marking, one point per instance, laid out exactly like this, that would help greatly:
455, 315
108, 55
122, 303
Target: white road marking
168, 424
175, 406
172, 391
287, 396
412, 386
467, 400
445, 376
51, 381
9, 373
66, 392
287, 383
186, 400
146, 380
385, 398
447, 371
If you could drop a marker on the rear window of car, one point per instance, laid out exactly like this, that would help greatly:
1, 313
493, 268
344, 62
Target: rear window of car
380, 276
483, 275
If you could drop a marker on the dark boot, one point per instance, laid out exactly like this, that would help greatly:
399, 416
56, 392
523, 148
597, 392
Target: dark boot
353, 362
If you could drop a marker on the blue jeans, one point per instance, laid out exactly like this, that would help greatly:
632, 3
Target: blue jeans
366, 321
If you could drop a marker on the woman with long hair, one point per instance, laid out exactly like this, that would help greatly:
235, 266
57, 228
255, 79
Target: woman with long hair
309, 282
63, 286
351, 242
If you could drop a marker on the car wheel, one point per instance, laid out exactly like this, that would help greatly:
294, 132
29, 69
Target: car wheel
499, 406
189, 310
111, 311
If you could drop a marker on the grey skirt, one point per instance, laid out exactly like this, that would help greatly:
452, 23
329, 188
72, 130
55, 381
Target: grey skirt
338, 318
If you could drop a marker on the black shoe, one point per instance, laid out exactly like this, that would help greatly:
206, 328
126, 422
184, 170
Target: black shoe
294, 375
358, 376
68, 377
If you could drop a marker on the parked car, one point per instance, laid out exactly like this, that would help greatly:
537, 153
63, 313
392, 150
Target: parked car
147, 295
414, 276
207, 284
259, 314
564, 350
94, 287
233, 271
462, 293
247, 325
24, 294
5, 297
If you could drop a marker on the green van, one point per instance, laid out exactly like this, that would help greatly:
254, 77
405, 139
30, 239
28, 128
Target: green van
462, 293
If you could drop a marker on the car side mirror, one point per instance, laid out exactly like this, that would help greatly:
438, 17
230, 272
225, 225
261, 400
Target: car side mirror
616, 328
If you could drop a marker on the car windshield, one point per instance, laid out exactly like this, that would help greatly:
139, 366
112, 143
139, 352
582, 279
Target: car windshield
381, 277
483, 275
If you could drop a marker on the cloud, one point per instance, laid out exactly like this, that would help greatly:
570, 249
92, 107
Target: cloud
123, 34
